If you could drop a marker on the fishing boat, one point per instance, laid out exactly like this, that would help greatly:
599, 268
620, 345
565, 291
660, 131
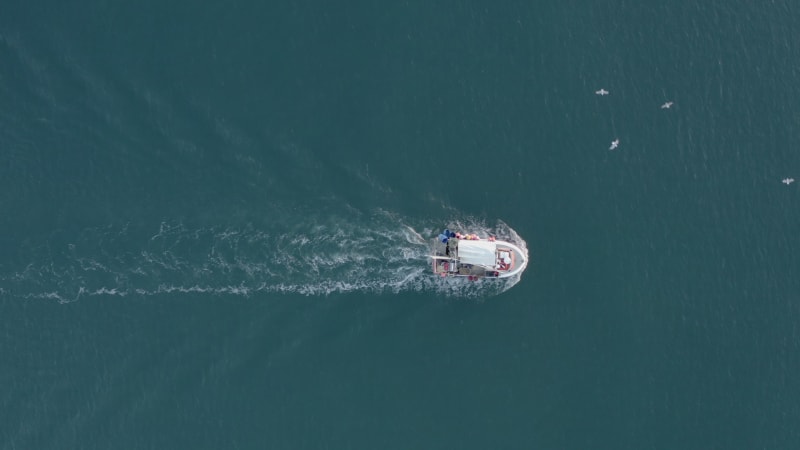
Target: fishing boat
468, 255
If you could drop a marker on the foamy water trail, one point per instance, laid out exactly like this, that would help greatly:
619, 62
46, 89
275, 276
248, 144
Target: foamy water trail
320, 256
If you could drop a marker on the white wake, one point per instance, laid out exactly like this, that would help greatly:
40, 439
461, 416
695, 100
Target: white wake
316, 256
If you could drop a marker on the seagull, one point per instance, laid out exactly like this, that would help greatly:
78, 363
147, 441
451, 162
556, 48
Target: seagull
788, 181
601, 92
614, 144
666, 105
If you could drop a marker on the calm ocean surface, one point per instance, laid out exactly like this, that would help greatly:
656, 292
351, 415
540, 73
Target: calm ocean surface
214, 222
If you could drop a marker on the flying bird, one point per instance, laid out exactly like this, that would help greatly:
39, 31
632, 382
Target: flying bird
601, 92
666, 105
614, 144
788, 181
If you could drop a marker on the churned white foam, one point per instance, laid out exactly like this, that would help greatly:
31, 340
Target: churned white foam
321, 255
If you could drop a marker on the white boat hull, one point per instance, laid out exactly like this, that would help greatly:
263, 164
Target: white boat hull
478, 258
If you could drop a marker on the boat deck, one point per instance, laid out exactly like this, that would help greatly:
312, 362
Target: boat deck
440, 249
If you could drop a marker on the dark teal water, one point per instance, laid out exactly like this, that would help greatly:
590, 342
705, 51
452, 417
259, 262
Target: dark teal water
214, 224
